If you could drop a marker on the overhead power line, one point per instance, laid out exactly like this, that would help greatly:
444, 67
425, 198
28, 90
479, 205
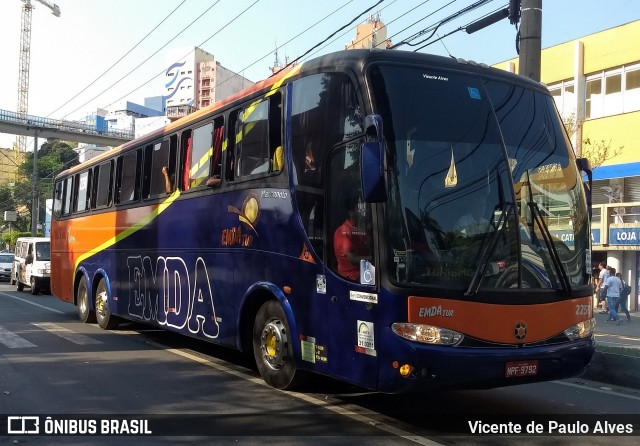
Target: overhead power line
119, 60
144, 61
162, 72
435, 27
330, 36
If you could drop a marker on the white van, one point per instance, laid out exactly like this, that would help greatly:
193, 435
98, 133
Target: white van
32, 264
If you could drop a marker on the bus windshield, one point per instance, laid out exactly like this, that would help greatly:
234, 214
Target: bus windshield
483, 191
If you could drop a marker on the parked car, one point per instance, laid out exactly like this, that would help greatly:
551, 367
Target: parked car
6, 262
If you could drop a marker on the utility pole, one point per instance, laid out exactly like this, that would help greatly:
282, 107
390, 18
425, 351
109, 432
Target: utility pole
35, 205
530, 39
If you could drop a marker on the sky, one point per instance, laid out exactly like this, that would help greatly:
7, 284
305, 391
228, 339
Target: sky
99, 52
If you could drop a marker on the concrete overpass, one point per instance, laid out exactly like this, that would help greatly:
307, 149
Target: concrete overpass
47, 128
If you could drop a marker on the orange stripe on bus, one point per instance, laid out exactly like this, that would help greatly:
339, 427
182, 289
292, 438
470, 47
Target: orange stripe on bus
497, 323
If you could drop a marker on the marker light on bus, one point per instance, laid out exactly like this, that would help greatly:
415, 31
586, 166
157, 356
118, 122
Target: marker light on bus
427, 334
582, 330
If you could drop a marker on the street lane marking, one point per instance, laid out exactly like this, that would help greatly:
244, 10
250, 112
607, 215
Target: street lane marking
307, 398
65, 333
608, 392
12, 340
31, 303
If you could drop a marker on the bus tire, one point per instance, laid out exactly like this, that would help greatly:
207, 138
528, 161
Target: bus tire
106, 320
19, 285
273, 349
35, 289
85, 313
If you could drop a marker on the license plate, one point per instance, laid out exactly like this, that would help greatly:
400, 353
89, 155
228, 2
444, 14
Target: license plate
521, 368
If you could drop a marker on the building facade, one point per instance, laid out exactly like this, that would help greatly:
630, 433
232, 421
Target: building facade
595, 81
194, 79
371, 34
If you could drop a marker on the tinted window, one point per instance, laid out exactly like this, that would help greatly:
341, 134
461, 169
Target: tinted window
68, 193
200, 154
57, 198
129, 174
103, 184
83, 192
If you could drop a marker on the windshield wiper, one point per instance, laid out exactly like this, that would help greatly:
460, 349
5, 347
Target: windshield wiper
487, 249
548, 240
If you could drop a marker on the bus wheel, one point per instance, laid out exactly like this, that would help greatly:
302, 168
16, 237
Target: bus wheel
106, 320
85, 313
35, 290
272, 347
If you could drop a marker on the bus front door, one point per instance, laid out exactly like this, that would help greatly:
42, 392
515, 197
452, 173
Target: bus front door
353, 344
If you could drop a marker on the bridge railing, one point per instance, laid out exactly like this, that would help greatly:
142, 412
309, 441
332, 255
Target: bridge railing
64, 125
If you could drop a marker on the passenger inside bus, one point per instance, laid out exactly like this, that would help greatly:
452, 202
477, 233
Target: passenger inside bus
168, 184
351, 243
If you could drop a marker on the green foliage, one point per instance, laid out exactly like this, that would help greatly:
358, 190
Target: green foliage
53, 158
11, 238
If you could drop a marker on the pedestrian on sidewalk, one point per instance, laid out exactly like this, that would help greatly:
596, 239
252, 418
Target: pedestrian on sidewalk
602, 296
612, 288
624, 295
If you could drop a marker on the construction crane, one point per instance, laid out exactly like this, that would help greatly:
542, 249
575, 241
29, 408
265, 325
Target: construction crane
23, 68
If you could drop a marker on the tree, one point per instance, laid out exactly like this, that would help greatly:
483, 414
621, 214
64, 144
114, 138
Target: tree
53, 158
597, 152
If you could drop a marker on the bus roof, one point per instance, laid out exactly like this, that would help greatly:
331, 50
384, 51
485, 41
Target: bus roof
329, 62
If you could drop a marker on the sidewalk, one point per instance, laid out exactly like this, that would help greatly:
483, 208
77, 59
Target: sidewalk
617, 357
625, 335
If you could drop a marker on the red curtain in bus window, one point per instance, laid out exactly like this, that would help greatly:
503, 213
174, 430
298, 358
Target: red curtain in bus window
187, 166
217, 151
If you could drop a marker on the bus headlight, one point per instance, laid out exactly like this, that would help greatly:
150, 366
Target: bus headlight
427, 334
582, 330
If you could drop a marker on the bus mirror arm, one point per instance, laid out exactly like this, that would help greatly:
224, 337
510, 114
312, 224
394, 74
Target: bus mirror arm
584, 166
373, 162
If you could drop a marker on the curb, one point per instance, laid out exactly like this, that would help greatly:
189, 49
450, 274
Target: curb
613, 368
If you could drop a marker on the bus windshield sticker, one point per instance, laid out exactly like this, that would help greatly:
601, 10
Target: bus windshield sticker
474, 93
366, 342
321, 284
370, 298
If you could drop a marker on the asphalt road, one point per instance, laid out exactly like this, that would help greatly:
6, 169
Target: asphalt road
190, 392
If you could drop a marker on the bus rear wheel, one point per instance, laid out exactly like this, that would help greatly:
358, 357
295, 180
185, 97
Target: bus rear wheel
273, 349
85, 313
106, 320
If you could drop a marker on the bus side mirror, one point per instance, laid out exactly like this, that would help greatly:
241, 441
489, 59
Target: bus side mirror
373, 162
28, 260
584, 166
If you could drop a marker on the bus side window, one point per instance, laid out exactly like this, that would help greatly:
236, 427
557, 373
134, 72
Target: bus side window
216, 158
57, 198
276, 154
252, 150
201, 152
68, 194
186, 143
83, 192
103, 185
159, 168
128, 177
